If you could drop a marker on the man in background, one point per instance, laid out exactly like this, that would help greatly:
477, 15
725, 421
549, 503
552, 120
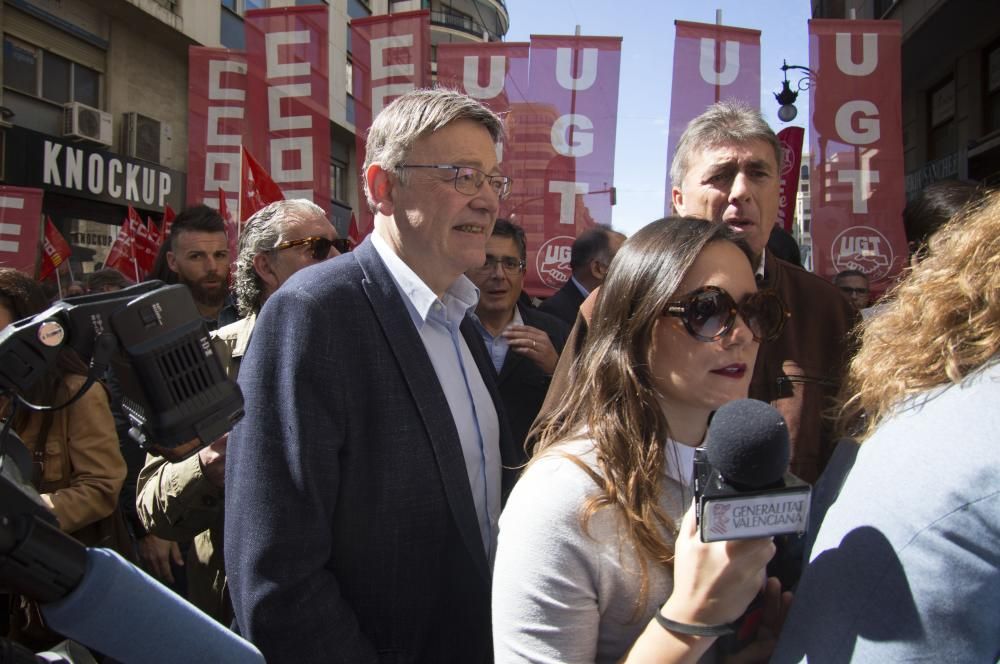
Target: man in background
854, 285
199, 256
591, 254
523, 343
184, 500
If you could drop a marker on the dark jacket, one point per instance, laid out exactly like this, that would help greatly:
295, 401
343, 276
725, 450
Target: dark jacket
564, 303
799, 373
351, 532
522, 383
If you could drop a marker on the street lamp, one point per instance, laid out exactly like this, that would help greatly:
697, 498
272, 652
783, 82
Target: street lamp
786, 98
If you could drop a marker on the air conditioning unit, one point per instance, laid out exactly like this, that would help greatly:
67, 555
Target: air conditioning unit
91, 124
141, 137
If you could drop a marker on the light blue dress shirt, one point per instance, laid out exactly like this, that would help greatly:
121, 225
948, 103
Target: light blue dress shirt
497, 346
437, 320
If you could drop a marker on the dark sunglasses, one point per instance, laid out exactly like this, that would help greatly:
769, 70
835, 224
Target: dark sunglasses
853, 291
709, 313
318, 246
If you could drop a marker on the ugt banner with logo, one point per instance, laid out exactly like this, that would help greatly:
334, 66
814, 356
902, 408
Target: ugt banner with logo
711, 63
288, 79
565, 150
217, 123
857, 149
391, 56
20, 227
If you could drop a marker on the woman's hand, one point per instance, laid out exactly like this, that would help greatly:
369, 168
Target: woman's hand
714, 581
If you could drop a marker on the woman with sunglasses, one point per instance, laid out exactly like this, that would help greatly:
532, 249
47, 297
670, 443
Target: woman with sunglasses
598, 556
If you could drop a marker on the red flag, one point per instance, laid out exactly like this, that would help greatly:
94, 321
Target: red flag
154, 233
257, 189
143, 246
232, 228
168, 220
352, 232
55, 249
791, 145
122, 254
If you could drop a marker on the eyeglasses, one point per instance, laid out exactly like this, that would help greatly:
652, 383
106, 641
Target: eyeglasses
319, 246
847, 290
468, 180
709, 313
510, 264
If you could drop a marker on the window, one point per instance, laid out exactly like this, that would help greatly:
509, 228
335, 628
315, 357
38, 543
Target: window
40, 73
942, 138
355, 9
992, 96
338, 180
231, 32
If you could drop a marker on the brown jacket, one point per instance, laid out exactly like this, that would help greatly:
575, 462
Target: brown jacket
799, 373
82, 465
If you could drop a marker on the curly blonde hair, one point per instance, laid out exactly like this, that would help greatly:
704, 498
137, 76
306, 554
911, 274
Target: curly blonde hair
942, 321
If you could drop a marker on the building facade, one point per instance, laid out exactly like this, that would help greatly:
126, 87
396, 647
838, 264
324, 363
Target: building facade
94, 99
950, 81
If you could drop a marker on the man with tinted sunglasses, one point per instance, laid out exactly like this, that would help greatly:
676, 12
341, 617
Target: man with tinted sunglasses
727, 168
365, 483
184, 500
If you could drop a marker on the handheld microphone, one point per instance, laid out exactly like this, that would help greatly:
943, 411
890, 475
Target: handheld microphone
741, 483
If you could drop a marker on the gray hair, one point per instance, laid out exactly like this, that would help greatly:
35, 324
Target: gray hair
261, 233
417, 114
724, 122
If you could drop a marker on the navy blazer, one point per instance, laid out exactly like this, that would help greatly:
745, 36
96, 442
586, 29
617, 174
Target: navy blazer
351, 533
564, 303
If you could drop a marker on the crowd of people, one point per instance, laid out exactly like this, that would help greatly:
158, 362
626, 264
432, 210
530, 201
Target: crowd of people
433, 469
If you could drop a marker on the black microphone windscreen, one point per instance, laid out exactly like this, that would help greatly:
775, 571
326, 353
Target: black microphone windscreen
747, 442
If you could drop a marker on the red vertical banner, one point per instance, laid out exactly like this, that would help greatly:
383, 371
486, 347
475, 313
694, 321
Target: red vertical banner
567, 133
55, 250
288, 79
20, 227
217, 123
711, 63
857, 149
791, 163
391, 56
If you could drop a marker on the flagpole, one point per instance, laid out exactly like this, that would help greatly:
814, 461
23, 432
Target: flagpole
58, 283
239, 198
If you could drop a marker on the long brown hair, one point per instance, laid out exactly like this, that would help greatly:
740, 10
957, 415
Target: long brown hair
941, 322
612, 397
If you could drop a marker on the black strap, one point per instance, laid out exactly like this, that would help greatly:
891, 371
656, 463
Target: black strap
694, 630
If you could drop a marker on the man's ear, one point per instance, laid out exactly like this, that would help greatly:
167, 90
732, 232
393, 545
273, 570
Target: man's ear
380, 187
171, 261
598, 269
677, 199
262, 266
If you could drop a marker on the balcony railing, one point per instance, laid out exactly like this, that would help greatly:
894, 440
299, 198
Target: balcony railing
463, 23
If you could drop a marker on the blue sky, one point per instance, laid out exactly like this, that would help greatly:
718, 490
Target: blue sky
647, 29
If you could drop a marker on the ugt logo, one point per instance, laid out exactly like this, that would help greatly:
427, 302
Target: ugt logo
720, 518
552, 261
862, 248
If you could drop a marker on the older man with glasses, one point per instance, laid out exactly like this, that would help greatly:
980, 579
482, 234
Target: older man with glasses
524, 343
365, 483
184, 500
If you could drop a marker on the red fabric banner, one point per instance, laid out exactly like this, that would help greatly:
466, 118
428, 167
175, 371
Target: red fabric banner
144, 247
391, 56
352, 232
564, 154
217, 122
55, 250
711, 63
121, 257
791, 163
20, 227
857, 149
288, 79
257, 189
168, 221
